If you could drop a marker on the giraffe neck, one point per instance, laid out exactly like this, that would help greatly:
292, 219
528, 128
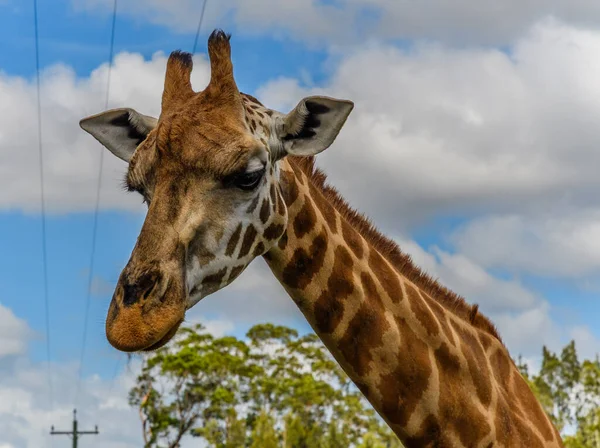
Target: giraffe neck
437, 378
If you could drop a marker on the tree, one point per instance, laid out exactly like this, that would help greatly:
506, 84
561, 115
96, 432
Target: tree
264, 434
198, 379
569, 391
275, 389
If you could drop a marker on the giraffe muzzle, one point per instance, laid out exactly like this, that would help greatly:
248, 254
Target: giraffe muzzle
145, 312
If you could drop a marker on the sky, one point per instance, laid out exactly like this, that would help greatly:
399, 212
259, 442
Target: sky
474, 142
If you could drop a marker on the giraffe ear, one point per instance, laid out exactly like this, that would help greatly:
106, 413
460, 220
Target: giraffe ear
119, 130
313, 125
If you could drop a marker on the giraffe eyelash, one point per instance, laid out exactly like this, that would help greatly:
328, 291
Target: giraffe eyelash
243, 180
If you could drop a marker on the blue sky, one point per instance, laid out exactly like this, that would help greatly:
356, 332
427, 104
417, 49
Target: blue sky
481, 166
81, 40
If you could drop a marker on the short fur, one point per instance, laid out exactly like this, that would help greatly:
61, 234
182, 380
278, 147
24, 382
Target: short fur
392, 252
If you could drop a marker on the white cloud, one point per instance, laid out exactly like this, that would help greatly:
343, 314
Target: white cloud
71, 156
344, 22
559, 245
217, 327
586, 343
437, 130
14, 333
470, 280
525, 333
26, 415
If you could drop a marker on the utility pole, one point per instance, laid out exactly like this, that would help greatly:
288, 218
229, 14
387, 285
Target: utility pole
75, 432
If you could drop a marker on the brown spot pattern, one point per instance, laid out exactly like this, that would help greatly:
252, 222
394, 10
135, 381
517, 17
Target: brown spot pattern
305, 264
232, 244
264, 211
505, 433
290, 189
421, 310
259, 249
535, 413
456, 406
215, 278
369, 288
253, 204
235, 272
386, 276
364, 332
326, 209
353, 239
305, 220
283, 240
248, 240
329, 307
387, 247
273, 231
280, 204
478, 365
442, 318
501, 368
486, 341
328, 312
526, 436
430, 435
405, 386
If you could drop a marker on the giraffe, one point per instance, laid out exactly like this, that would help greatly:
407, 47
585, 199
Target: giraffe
227, 180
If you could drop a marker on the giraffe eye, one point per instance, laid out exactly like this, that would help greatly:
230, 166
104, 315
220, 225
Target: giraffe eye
248, 181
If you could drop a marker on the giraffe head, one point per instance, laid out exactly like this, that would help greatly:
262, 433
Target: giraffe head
208, 170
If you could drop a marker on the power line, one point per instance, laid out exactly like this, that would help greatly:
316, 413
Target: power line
119, 359
95, 225
199, 25
43, 203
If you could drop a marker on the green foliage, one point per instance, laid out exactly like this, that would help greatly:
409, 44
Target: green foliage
569, 391
275, 389
264, 434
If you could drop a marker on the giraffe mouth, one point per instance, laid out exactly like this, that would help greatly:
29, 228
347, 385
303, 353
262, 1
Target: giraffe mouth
165, 339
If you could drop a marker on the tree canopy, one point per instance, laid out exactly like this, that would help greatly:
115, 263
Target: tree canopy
569, 390
272, 389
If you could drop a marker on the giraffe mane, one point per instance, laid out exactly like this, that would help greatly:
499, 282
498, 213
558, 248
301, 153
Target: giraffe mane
391, 251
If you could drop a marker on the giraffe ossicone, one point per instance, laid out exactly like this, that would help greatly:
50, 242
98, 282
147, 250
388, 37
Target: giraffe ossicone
227, 180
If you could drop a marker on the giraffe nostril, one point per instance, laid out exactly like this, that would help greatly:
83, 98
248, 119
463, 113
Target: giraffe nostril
141, 288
